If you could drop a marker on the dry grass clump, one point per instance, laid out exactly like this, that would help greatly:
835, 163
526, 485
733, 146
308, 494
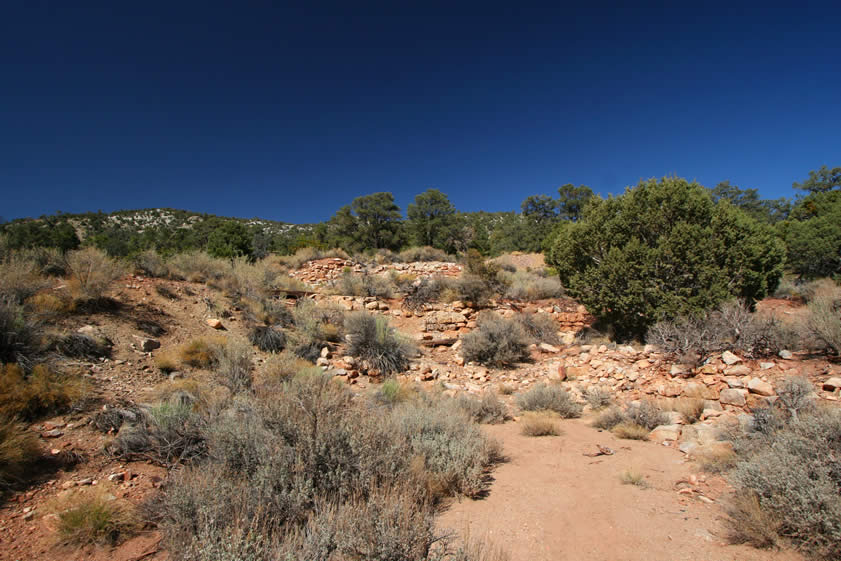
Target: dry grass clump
544, 397
824, 319
47, 305
496, 342
542, 423
92, 515
79, 345
527, 286
277, 370
632, 477
91, 272
371, 339
630, 431
364, 284
425, 291
609, 418
197, 266
267, 339
151, 264
506, 389
20, 337
690, 407
232, 365
18, 450
646, 414
424, 253
392, 391
315, 327
487, 409
167, 361
40, 392
199, 352
540, 327
19, 279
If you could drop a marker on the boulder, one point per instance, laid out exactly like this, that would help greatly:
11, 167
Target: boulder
732, 396
760, 387
147, 345
785, 355
664, 433
832, 384
547, 348
729, 358
215, 323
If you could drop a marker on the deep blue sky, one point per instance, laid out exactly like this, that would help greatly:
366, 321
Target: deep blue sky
288, 111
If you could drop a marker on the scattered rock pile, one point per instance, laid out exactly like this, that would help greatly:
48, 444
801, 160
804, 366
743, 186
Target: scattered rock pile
324, 271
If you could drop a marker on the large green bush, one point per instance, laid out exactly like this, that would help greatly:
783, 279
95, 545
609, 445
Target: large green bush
662, 249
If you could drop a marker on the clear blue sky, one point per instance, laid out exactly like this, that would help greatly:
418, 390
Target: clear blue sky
289, 110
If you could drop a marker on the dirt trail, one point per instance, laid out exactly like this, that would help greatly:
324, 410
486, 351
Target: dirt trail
550, 502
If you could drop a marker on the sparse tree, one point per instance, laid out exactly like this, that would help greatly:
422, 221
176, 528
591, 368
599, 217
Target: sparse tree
572, 199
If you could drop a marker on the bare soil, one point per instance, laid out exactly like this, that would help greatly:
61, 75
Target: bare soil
552, 502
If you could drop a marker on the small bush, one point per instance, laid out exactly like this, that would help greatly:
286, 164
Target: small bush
166, 362
233, 365
151, 264
788, 483
630, 431
824, 319
91, 272
690, 408
631, 477
528, 287
420, 254
646, 414
267, 339
197, 266
19, 280
543, 397
363, 285
279, 369
539, 424
506, 389
597, 397
371, 339
610, 418
47, 305
20, 337
496, 342
391, 392
316, 326
79, 345
474, 290
166, 292
488, 409
93, 516
540, 327
424, 292
796, 395
41, 392
18, 450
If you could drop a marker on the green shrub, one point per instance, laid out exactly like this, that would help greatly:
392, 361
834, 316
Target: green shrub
391, 392
423, 292
197, 266
496, 342
661, 250
371, 339
544, 397
474, 289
